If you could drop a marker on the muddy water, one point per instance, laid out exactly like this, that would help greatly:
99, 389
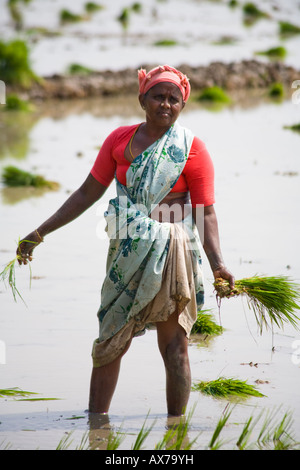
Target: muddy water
48, 343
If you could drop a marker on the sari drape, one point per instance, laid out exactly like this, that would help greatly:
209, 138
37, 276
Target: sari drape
139, 245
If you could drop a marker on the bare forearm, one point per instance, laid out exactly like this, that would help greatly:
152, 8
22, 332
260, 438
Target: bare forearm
207, 224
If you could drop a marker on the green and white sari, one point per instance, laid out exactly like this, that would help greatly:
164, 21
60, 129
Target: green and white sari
153, 268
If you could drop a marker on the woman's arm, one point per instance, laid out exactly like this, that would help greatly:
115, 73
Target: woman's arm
88, 193
208, 228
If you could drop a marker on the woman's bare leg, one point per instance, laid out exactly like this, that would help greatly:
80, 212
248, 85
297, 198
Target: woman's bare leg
173, 346
103, 384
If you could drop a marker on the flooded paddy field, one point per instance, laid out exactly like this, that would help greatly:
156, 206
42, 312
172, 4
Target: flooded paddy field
48, 343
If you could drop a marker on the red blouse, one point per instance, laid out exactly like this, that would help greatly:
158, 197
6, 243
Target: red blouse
197, 176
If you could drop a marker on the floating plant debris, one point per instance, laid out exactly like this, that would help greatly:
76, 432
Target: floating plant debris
273, 299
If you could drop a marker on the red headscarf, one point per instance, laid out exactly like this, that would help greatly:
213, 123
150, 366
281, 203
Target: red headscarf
164, 73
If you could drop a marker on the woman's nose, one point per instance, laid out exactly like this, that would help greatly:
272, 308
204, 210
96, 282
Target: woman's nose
165, 103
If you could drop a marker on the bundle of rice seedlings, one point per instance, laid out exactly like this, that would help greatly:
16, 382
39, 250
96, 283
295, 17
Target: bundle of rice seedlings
8, 275
13, 177
205, 324
224, 388
273, 299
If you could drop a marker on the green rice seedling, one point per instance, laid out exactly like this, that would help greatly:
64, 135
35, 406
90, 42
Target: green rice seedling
215, 443
165, 43
142, 436
176, 438
206, 325
67, 16
14, 392
14, 103
295, 127
252, 12
214, 94
115, 439
136, 7
124, 18
288, 29
15, 68
91, 7
224, 388
77, 69
8, 275
13, 177
273, 299
276, 435
276, 90
274, 52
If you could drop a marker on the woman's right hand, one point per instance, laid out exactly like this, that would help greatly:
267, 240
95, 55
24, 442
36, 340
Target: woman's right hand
26, 247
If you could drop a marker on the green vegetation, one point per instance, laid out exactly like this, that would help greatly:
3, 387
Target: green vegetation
294, 127
213, 95
165, 42
91, 7
124, 17
13, 176
14, 392
251, 11
288, 29
206, 325
14, 103
274, 52
276, 90
272, 299
77, 69
14, 64
233, 3
8, 275
274, 433
67, 16
224, 388
15, 12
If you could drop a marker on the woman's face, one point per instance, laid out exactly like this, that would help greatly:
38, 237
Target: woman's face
163, 104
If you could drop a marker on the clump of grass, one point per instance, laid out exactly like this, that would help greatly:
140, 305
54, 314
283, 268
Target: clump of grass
276, 90
274, 52
294, 127
14, 392
67, 16
288, 29
252, 12
91, 7
213, 94
77, 69
15, 68
124, 18
14, 103
136, 7
206, 325
273, 299
224, 388
165, 43
13, 177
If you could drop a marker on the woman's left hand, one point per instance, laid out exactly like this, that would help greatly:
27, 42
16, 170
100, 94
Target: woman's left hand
224, 274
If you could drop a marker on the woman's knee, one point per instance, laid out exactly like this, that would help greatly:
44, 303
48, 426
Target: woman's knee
175, 353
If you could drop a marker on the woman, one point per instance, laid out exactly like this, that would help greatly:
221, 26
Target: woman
154, 275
